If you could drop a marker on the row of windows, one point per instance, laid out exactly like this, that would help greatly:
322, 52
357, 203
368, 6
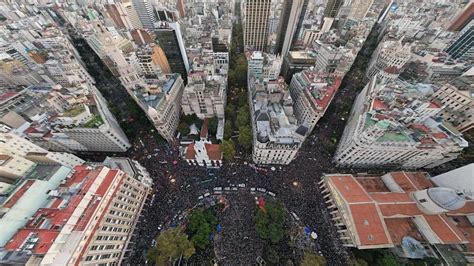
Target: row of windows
111, 238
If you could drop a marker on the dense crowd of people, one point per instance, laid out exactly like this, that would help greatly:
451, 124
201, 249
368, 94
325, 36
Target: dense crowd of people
178, 186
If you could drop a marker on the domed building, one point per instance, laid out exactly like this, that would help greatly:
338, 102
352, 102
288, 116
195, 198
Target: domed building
372, 212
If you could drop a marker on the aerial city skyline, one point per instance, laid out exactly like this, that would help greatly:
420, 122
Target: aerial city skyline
243, 132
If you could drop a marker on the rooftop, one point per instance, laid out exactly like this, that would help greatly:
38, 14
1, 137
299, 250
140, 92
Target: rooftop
382, 209
41, 230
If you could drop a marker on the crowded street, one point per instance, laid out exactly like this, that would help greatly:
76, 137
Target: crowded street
178, 185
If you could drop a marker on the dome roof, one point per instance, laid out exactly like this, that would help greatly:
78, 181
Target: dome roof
446, 198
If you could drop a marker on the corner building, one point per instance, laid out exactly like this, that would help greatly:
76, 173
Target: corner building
88, 219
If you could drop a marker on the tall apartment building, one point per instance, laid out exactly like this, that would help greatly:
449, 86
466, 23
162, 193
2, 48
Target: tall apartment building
73, 118
169, 37
119, 15
161, 101
295, 62
15, 146
145, 14
152, 60
463, 17
312, 92
328, 56
263, 66
457, 100
85, 216
204, 96
276, 134
397, 125
116, 52
255, 24
132, 14
388, 59
332, 8
463, 46
288, 25
358, 9
180, 5
299, 26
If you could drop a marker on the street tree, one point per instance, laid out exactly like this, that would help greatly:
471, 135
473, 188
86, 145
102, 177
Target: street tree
213, 124
171, 245
200, 225
228, 149
245, 137
243, 117
269, 222
228, 129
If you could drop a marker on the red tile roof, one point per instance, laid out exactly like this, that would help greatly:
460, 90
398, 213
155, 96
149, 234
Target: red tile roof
350, 189
440, 135
44, 242
7, 95
375, 214
378, 105
369, 225
190, 152
47, 222
330, 92
214, 151
18, 194
445, 229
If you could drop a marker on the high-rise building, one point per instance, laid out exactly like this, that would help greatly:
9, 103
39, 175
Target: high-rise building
332, 8
132, 14
152, 60
145, 14
312, 92
255, 20
289, 21
181, 8
119, 16
204, 96
263, 66
388, 59
463, 45
67, 217
161, 101
299, 26
458, 102
396, 124
463, 18
170, 39
277, 136
296, 61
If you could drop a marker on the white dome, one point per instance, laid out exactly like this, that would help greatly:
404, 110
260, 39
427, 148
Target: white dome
446, 198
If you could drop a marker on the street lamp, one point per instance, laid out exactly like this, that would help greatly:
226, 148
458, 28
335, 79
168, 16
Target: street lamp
295, 183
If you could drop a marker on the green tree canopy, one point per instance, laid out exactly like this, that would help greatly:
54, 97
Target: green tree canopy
228, 129
192, 119
245, 137
228, 149
171, 244
269, 223
243, 116
213, 124
183, 128
200, 225
312, 259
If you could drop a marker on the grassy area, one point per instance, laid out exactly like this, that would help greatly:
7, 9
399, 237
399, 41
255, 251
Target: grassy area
96, 121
